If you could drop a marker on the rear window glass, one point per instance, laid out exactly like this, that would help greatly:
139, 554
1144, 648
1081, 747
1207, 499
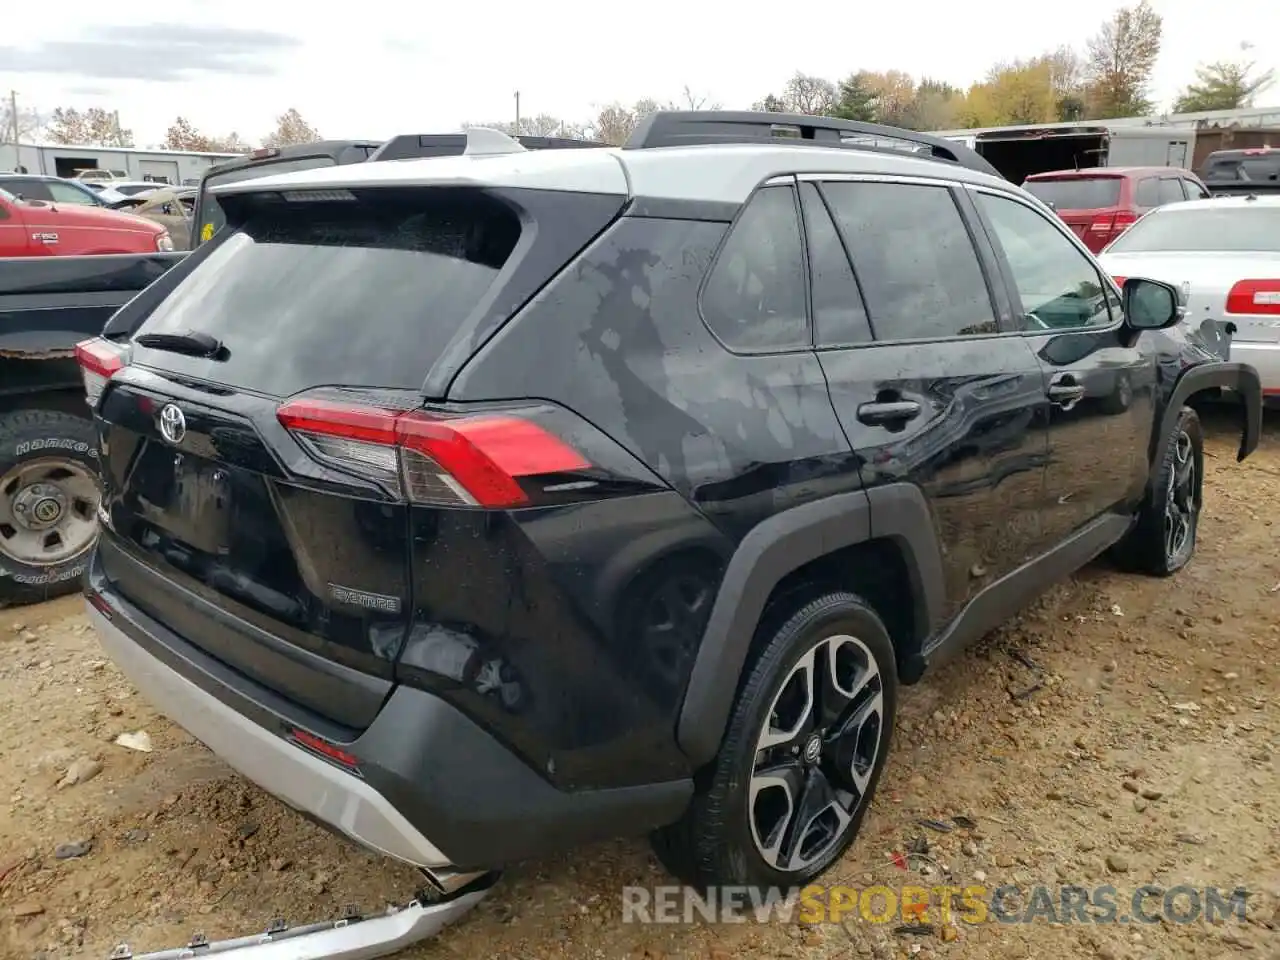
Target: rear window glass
1077, 193
364, 292
212, 219
1222, 230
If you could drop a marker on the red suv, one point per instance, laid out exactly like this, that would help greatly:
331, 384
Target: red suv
1100, 203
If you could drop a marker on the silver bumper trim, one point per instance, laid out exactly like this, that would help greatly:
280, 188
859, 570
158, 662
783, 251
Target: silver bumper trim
300, 779
340, 940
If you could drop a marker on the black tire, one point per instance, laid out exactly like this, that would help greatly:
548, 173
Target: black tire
714, 843
54, 445
1147, 548
1121, 397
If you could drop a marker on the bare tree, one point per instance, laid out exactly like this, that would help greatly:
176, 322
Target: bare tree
811, 95
30, 125
1121, 58
291, 129
181, 135
693, 101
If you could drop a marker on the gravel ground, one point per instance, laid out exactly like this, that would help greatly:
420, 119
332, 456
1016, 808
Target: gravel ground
1123, 732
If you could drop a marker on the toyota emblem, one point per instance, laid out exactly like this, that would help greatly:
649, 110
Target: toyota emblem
173, 423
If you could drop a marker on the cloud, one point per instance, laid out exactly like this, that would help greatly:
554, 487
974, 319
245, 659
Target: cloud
160, 51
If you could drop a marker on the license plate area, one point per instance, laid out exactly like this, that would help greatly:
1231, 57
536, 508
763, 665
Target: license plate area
186, 497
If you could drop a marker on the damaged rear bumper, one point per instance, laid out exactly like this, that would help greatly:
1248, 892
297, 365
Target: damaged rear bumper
352, 938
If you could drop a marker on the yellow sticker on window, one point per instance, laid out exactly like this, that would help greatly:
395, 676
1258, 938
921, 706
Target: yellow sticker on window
206, 232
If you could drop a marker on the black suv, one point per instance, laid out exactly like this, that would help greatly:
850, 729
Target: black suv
482, 505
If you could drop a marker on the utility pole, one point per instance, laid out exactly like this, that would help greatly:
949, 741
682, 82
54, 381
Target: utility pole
13, 119
517, 112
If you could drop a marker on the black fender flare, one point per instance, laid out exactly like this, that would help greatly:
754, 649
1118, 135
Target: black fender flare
771, 550
1238, 377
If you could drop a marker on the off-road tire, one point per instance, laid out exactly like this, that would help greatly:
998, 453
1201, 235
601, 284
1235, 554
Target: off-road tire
31, 435
1144, 550
712, 844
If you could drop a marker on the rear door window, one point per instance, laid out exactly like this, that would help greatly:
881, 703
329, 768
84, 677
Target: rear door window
1147, 193
839, 317
1077, 193
364, 292
754, 298
1171, 190
914, 258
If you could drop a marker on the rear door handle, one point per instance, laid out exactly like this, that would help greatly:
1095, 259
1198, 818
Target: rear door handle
888, 412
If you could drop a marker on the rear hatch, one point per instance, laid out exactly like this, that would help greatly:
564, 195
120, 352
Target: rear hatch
263, 445
1089, 205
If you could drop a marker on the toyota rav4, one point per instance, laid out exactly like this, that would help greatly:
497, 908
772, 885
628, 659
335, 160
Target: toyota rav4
483, 505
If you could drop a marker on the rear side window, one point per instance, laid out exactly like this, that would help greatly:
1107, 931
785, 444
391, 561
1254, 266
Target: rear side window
1147, 193
365, 292
1260, 168
1195, 191
29, 189
1077, 193
1171, 190
915, 260
838, 314
754, 298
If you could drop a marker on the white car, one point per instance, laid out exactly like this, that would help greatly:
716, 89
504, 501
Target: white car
113, 191
1224, 254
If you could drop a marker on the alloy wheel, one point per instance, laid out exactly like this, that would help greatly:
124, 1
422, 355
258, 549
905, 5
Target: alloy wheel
816, 754
1182, 506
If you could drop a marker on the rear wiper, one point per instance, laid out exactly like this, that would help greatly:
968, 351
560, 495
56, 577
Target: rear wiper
190, 344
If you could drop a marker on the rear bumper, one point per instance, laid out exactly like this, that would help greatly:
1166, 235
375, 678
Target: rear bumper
300, 779
1265, 358
433, 789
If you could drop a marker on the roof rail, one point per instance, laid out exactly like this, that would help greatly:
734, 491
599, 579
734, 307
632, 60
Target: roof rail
674, 128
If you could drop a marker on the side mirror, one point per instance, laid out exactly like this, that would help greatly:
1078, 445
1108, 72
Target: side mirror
1150, 304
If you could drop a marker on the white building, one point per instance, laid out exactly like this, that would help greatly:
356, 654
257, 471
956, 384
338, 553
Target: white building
62, 160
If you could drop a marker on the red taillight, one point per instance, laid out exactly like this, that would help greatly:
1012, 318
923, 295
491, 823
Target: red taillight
99, 360
1113, 224
1255, 297
440, 459
323, 747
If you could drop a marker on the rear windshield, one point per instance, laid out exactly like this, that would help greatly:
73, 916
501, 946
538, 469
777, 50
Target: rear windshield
360, 292
212, 219
1213, 230
1077, 193
1248, 169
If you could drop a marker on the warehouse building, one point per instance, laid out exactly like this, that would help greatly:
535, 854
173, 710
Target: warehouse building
63, 160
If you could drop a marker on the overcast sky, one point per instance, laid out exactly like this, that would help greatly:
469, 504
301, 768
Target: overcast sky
377, 67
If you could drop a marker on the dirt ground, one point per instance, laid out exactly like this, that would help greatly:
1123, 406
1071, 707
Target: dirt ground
1045, 736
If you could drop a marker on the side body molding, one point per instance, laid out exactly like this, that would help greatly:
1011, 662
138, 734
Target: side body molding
773, 549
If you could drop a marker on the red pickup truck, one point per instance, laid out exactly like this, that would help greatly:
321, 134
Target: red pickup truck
37, 228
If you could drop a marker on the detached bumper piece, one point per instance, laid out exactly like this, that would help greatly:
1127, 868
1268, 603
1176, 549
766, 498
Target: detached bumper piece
354, 937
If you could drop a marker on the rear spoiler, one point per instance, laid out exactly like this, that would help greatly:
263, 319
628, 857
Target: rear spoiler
419, 145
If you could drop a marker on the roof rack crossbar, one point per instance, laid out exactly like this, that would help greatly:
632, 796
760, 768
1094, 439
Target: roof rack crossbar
675, 128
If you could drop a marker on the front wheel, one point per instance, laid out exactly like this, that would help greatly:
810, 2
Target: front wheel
1164, 539
804, 748
48, 504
